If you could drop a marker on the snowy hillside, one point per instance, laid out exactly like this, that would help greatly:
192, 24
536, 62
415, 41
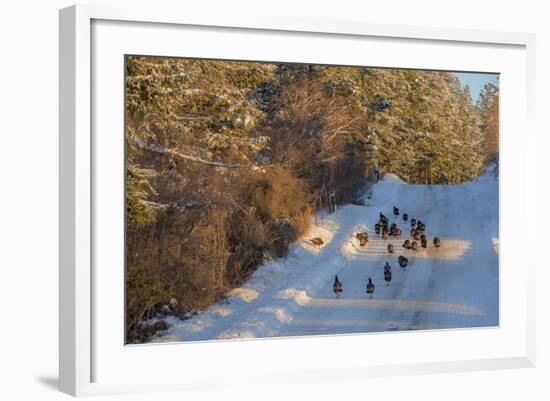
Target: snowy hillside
448, 287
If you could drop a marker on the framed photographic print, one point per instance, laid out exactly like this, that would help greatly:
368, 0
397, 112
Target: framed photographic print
265, 190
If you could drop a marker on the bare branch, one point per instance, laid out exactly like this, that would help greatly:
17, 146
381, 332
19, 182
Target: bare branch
162, 150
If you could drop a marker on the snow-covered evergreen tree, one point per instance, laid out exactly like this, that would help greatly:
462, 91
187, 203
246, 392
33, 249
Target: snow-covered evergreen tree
488, 107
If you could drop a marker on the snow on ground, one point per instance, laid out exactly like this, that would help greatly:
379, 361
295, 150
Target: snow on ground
324, 231
448, 287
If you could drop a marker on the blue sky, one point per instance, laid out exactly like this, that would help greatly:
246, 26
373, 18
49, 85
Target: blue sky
476, 81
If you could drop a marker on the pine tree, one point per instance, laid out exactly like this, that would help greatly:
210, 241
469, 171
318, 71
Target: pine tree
422, 125
488, 108
184, 114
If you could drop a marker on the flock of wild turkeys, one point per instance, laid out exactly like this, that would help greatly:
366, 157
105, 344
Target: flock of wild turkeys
386, 230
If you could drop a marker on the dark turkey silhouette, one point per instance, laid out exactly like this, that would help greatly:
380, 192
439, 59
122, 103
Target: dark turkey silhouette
395, 232
405, 216
395, 211
377, 228
413, 222
370, 288
414, 245
437, 242
387, 273
407, 244
337, 287
390, 248
424, 243
421, 226
403, 262
317, 241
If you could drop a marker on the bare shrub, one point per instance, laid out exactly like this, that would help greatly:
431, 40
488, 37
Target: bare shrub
311, 134
247, 242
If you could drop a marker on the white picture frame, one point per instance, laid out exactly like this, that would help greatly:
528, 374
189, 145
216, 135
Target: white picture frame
80, 349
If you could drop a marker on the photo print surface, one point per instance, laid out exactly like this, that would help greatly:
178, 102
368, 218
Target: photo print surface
269, 199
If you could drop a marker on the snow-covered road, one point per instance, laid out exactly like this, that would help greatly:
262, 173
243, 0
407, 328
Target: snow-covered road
448, 287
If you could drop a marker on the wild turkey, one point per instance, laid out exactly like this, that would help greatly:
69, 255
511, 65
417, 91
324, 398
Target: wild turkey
424, 243
423, 237
317, 241
413, 222
395, 211
385, 235
421, 226
394, 231
414, 245
403, 262
363, 238
377, 228
390, 248
370, 288
405, 217
413, 231
437, 242
387, 273
416, 235
407, 244
337, 287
